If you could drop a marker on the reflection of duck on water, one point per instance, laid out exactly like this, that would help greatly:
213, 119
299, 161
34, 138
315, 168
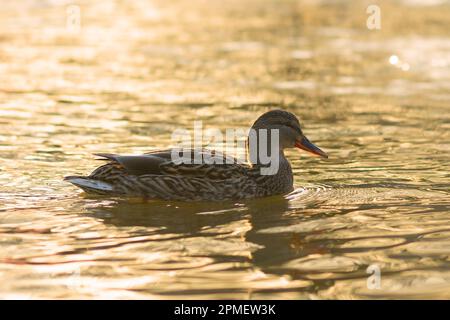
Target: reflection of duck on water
155, 175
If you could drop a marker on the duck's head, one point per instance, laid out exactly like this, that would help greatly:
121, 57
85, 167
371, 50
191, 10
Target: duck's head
290, 133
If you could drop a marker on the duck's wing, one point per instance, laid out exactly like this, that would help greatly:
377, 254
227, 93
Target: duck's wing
135, 164
196, 163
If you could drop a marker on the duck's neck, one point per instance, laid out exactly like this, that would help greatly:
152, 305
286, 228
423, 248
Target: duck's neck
274, 178
264, 157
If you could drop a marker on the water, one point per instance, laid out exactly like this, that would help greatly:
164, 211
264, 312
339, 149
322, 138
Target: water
376, 101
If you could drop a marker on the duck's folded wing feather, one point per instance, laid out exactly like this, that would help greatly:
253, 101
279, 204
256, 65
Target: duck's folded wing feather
160, 163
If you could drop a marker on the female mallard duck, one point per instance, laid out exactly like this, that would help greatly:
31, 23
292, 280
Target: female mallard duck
156, 176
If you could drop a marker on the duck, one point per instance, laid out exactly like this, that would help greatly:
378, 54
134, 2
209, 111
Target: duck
156, 175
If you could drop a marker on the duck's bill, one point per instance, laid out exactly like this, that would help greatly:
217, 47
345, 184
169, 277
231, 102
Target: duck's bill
307, 145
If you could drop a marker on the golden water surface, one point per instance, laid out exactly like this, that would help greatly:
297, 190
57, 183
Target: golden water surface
134, 71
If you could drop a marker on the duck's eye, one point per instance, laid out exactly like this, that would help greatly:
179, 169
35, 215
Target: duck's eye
295, 128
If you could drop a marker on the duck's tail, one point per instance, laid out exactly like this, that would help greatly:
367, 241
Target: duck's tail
90, 185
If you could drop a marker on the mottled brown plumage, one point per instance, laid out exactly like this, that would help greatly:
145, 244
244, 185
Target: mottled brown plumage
154, 175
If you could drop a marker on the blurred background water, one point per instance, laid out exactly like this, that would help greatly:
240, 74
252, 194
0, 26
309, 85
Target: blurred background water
133, 71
